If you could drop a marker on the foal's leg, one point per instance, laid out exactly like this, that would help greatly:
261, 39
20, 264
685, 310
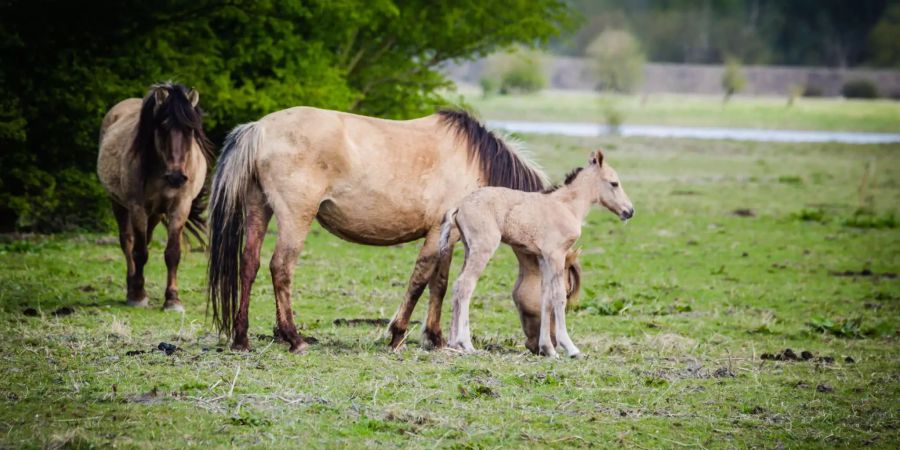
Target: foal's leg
479, 250
552, 293
138, 217
258, 216
126, 241
422, 273
176, 218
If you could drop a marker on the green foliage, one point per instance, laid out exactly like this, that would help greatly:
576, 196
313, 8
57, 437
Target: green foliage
811, 215
247, 58
617, 61
859, 89
869, 220
516, 72
884, 39
733, 79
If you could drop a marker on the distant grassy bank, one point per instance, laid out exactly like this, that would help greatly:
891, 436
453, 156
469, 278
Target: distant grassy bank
693, 110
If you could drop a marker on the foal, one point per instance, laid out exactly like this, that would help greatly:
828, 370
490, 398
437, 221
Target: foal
545, 224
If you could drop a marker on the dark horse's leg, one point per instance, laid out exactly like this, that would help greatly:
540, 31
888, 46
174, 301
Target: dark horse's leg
126, 241
527, 297
176, 219
437, 289
258, 216
137, 296
422, 273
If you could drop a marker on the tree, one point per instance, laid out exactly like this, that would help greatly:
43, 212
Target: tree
617, 60
74, 60
733, 80
884, 40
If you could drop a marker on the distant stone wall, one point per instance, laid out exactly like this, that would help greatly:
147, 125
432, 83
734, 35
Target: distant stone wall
574, 73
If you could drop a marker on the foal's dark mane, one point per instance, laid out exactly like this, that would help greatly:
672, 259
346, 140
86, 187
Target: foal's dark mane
500, 165
570, 177
175, 112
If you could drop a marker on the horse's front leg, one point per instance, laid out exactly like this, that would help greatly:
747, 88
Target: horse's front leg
137, 295
177, 216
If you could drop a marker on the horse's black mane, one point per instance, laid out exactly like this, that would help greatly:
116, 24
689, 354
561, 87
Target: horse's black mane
570, 177
499, 165
175, 112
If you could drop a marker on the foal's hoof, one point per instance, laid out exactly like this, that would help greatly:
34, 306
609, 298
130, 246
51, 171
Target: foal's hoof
142, 303
578, 355
549, 352
173, 305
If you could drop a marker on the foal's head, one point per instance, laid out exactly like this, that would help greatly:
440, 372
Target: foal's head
169, 125
612, 195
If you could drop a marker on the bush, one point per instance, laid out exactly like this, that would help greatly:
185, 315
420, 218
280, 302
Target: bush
859, 89
812, 90
733, 80
618, 61
519, 72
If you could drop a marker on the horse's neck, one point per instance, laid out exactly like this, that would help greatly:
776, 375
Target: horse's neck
579, 195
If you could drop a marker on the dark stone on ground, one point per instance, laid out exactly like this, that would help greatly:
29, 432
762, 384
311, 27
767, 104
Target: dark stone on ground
166, 347
30, 312
134, 352
824, 388
849, 360
806, 355
64, 311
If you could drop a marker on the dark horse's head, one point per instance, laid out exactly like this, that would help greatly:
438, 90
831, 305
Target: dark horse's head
169, 125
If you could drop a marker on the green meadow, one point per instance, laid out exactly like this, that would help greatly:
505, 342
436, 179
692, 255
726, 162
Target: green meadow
738, 252
831, 114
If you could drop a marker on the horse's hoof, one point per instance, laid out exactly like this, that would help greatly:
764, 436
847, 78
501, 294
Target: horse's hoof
577, 355
549, 352
299, 348
142, 303
173, 306
398, 340
240, 347
432, 340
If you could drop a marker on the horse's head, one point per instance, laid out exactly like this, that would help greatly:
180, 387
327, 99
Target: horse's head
612, 195
169, 126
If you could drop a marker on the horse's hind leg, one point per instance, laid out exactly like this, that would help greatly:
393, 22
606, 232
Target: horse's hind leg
422, 273
126, 241
258, 216
437, 289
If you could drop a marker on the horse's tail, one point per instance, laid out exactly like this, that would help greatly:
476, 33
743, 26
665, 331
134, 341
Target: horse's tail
446, 227
573, 271
196, 223
235, 175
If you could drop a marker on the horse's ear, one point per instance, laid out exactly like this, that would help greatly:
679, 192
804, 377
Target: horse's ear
194, 97
160, 94
596, 158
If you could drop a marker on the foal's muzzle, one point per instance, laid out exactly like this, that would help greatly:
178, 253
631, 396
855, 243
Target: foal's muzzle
626, 214
175, 179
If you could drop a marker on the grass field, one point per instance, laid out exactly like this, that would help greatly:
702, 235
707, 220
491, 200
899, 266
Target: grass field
737, 250
693, 110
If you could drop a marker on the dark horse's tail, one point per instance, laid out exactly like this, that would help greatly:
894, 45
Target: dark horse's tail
196, 223
235, 175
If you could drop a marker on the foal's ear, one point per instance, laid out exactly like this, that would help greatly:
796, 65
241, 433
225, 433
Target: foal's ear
194, 97
596, 158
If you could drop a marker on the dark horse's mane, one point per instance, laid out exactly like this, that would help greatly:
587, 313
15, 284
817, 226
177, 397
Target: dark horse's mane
175, 112
500, 165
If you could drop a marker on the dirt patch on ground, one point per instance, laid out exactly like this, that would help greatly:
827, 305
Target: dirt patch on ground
865, 273
744, 212
806, 355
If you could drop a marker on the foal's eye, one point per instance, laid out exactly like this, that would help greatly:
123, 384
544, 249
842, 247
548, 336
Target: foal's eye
614, 184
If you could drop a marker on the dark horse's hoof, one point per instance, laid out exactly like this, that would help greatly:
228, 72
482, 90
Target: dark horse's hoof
142, 303
173, 305
432, 340
299, 348
240, 346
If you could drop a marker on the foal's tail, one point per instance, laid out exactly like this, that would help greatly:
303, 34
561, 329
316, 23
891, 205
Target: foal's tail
235, 175
446, 227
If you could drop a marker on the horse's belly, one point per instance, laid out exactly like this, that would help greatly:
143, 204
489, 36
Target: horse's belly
373, 223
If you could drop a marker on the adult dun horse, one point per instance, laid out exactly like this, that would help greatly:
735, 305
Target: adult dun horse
367, 180
153, 162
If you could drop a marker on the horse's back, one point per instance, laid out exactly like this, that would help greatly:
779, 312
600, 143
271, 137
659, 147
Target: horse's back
116, 136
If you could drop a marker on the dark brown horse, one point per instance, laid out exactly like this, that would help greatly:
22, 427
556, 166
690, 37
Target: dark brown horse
153, 162
366, 180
